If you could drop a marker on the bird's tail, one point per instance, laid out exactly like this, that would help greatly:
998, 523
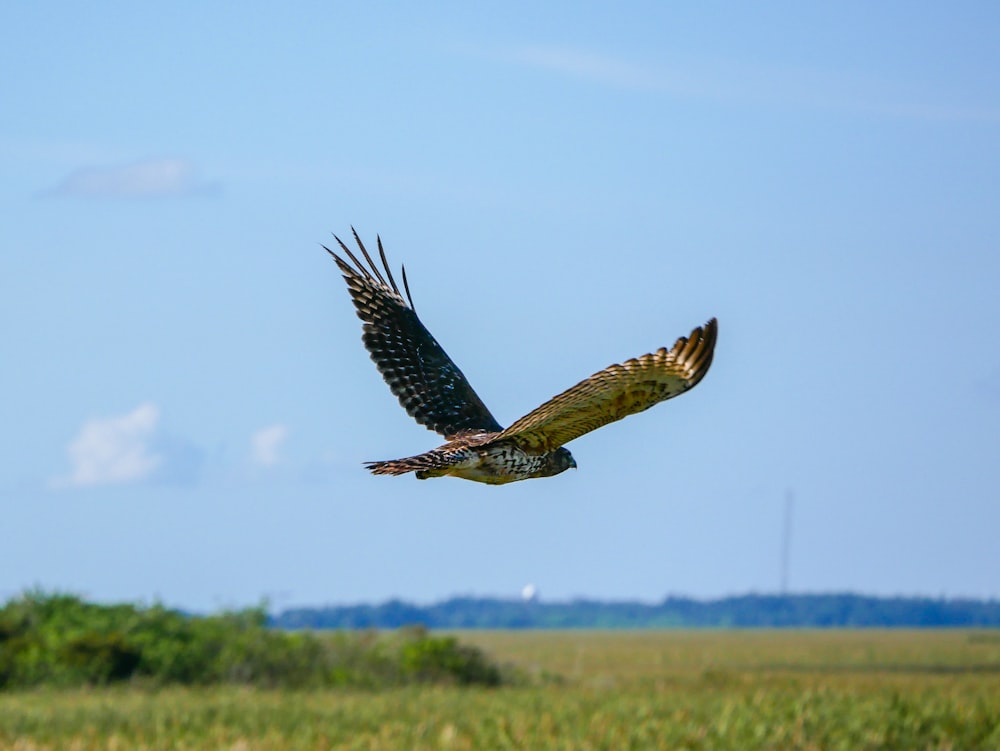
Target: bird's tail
434, 463
398, 466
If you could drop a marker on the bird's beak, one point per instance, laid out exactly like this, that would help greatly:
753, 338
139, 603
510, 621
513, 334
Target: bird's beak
573, 463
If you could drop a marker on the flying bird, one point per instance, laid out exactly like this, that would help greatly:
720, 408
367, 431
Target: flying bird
436, 394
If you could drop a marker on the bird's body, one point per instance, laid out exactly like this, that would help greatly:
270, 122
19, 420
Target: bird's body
482, 457
432, 389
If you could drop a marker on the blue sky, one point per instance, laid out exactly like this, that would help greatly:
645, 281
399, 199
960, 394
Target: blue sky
187, 400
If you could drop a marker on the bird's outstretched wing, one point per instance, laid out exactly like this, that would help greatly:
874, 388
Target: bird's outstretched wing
428, 384
616, 392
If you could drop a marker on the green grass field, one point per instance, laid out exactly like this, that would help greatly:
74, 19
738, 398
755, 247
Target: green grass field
582, 690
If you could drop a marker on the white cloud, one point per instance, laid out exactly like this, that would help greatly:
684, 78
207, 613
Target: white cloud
152, 178
265, 444
114, 450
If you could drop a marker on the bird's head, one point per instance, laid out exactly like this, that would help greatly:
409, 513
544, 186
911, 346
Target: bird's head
559, 461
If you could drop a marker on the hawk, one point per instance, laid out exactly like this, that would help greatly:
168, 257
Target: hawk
435, 393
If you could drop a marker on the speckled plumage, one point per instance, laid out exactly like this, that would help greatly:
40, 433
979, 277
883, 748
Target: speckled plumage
433, 391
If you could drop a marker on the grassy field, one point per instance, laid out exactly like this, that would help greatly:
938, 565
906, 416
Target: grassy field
583, 690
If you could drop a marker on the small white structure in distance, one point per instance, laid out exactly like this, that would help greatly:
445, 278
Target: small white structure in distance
529, 593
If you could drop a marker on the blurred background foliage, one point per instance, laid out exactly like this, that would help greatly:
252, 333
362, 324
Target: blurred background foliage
62, 640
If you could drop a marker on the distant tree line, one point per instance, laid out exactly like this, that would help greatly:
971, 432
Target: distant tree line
62, 640
748, 611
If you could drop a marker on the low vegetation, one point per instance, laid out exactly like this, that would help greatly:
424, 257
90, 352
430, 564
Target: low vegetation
701, 689
62, 641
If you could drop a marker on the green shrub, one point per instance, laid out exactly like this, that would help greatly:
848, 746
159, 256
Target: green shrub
99, 658
61, 640
442, 659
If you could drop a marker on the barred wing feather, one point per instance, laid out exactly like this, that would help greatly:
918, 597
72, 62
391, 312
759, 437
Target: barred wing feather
428, 384
616, 392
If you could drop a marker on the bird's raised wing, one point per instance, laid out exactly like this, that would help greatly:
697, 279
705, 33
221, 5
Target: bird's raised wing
616, 392
419, 372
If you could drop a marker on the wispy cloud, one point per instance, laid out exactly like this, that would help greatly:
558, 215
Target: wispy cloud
151, 178
737, 82
114, 450
589, 65
266, 443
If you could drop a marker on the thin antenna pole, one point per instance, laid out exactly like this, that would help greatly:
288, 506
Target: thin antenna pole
786, 540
